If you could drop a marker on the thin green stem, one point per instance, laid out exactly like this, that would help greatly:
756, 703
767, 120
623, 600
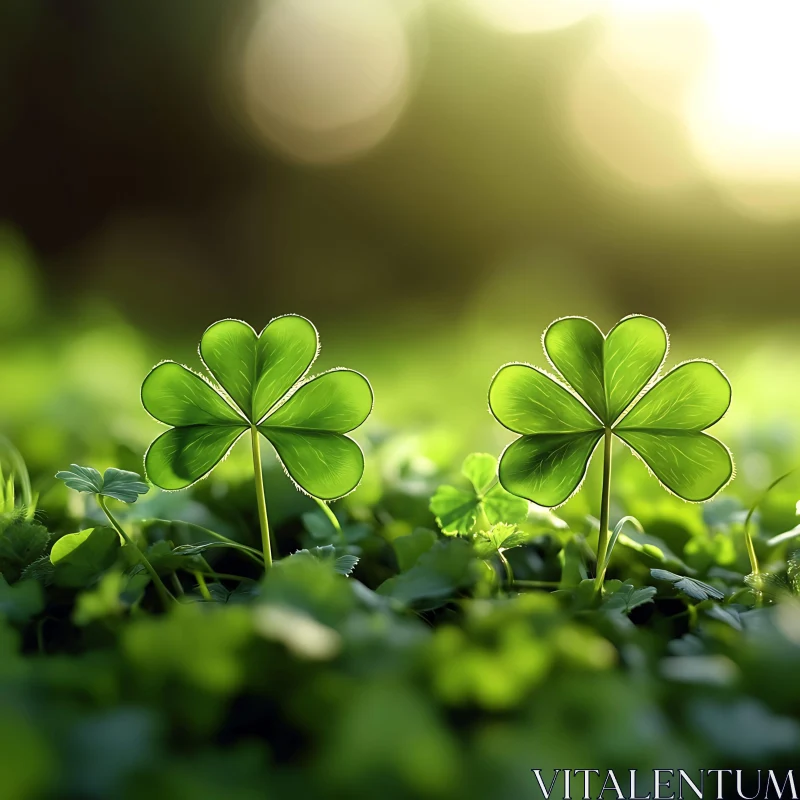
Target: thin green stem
163, 593
751, 553
605, 502
201, 583
176, 583
326, 509
219, 576
250, 552
537, 584
507, 568
260, 498
748, 537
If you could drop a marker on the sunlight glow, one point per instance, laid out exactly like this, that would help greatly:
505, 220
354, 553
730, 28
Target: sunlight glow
635, 141
744, 115
530, 16
325, 80
625, 99
724, 72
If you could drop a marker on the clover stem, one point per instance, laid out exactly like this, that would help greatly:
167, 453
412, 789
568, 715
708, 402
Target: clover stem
605, 502
176, 583
202, 586
507, 568
326, 509
751, 553
537, 584
748, 537
250, 552
260, 498
163, 593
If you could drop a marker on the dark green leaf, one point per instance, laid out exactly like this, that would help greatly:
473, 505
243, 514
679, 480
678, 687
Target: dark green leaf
343, 564
119, 484
730, 616
625, 597
436, 577
123, 485
409, 548
79, 558
40, 570
82, 479
20, 602
691, 587
21, 543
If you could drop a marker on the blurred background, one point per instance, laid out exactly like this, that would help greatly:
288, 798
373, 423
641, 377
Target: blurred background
431, 181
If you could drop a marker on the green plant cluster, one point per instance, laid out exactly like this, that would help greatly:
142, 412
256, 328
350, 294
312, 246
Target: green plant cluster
433, 634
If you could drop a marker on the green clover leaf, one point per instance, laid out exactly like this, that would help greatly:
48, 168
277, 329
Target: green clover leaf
611, 388
460, 511
262, 386
118, 484
80, 557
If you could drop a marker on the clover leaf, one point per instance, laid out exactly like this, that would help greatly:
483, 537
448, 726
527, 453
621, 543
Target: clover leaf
611, 389
22, 541
462, 511
80, 557
118, 484
261, 387
697, 590
499, 538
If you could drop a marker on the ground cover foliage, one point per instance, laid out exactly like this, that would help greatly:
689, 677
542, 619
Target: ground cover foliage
429, 635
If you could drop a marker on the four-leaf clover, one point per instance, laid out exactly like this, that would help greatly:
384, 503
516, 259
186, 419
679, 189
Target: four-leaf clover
262, 387
611, 387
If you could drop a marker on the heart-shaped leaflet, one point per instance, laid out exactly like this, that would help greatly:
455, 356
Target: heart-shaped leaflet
263, 380
612, 390
608, 372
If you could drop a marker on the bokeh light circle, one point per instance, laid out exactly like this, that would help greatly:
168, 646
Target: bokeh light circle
325, 80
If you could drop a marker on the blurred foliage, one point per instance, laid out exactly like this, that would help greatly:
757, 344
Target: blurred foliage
386, 653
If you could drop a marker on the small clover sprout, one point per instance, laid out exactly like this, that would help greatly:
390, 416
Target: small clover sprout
485, 503
117, 484
262, 388
611, 388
